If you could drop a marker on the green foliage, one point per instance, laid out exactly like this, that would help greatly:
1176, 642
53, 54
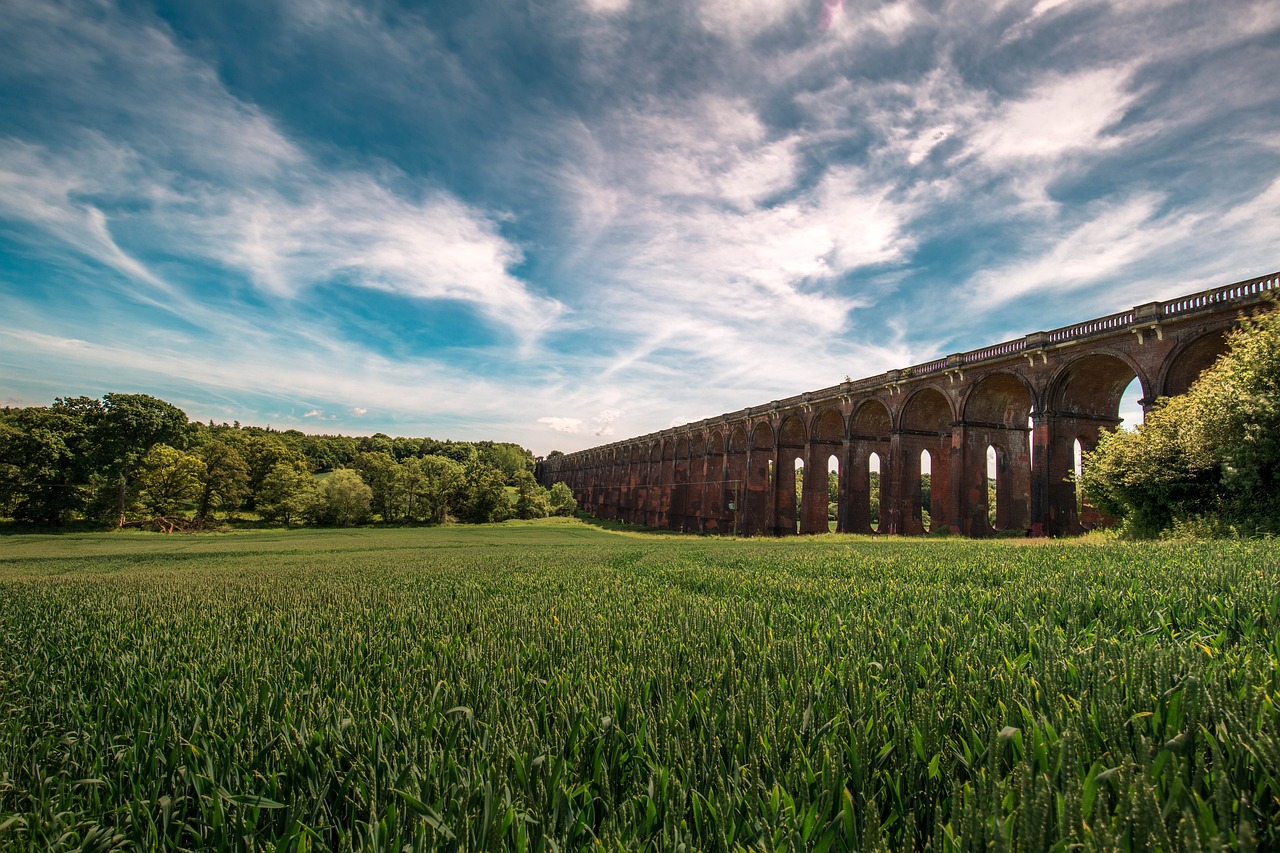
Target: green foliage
443, 488
84, 458
874, 481
531, 498
511, 459
483, 494
1155, 474
1213, 453
168, 477
562, 501
286, 493
262, 452
125, 428
342, 499
224, 480
44, 470
381, 471
544, 685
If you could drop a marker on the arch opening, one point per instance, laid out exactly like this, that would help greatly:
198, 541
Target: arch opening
993, 493
799, 492
873, 488
833, 493
925, 486
1130, 409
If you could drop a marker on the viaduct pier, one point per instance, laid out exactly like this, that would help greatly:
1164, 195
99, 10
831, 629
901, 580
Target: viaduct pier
1033, 403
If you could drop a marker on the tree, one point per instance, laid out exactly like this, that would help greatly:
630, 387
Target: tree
124, 431
224, 478
380, 471
562, 500
531, 497
342, 499
286, 493
262, 452
167, 477
44, 471
1212, 453
510, 459
443, 490
484, 495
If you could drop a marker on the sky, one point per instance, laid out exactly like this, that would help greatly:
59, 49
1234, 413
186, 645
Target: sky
567, 222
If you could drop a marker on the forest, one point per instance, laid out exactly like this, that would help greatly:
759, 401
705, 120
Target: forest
134, 459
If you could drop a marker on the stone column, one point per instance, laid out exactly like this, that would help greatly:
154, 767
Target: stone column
813, 508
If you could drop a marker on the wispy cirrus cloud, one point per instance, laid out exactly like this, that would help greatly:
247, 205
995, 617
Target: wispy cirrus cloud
195, 172
470, 215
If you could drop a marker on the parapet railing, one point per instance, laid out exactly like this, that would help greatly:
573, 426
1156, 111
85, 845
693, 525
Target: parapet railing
1151, 313
1230, 293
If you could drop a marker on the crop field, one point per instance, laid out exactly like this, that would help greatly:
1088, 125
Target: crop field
554, 686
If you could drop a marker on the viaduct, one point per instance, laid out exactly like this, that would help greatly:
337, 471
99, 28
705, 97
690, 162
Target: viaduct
1033, 404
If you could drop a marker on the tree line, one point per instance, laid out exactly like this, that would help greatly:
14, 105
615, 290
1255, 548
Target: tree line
128, 458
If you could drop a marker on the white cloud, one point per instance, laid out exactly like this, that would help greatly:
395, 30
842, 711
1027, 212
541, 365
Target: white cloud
603, 422
1060, 116
359, 411
745, 18
314, 413
607, 6
566, 425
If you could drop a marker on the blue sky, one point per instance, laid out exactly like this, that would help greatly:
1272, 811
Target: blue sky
567, 222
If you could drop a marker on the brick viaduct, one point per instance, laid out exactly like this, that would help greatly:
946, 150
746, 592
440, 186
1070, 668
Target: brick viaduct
1027, 401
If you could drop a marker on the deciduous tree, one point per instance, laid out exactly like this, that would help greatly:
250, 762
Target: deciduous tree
167, 477
342, 499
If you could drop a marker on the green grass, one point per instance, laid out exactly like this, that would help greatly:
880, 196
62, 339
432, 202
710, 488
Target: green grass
542, 685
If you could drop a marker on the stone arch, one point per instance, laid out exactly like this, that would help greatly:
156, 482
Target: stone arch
679, 506
792, 432
827, 426
1092, 384
1083, 398
927, 410
996, 411
1001, 398
762, 436
711, 509
925, 422
869, 431
1185, 364
826, 433
871, 421
714, 442
792, 438
734, 493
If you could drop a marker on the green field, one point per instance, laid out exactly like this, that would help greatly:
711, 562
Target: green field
551, 685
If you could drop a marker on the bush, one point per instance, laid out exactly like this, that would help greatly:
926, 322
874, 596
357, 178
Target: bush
343, 499
562, 500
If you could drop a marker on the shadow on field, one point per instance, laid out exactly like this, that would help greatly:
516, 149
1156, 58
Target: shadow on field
615, 526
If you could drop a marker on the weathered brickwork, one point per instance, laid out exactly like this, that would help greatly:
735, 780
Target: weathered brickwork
1029, 399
